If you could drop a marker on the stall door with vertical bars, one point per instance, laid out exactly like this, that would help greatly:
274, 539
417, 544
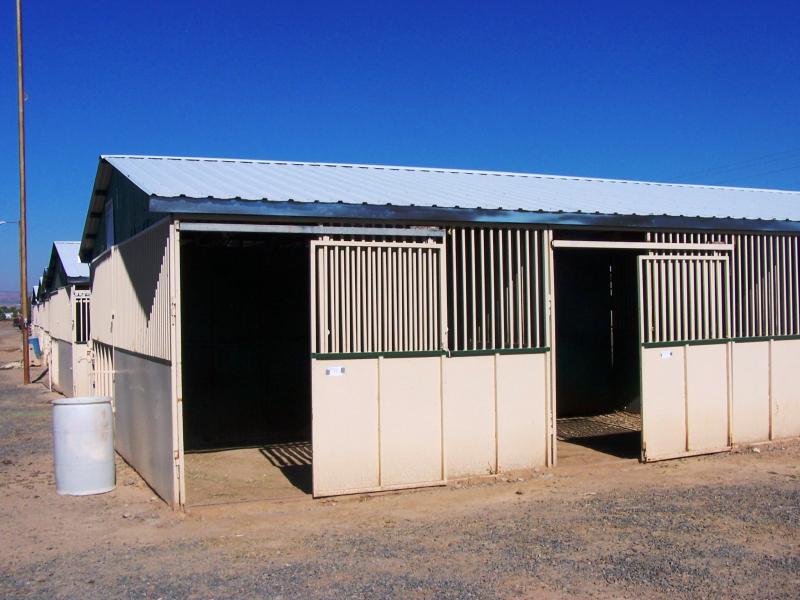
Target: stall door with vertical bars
378, 330
684, 306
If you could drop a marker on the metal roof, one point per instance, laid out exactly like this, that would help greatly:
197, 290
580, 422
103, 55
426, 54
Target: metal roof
70, 261
251, 180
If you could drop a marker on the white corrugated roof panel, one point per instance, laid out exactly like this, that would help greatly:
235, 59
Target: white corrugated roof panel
68, 255
201, 178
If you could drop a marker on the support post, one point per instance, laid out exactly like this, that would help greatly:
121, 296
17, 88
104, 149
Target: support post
23, 231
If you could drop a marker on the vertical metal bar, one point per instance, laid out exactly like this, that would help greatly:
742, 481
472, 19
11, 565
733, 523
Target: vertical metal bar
720, 303
413, 309
749, 270
728, 316
770, 273
650, 290
482, 244
670, 320
712, 294
658, 270
510, 293
474, 307
794, 312
757, 285
422, 302
464, 330
407, 308
537, 238
358, 328
369, 256
796, 285
529, 309
706, 315
380, 304
313, 274
501, 289
400, 287
442, 298
492, 315
520, 313
693, 306
349, 294
430, 328
684, 302
738, 293
784, 329
433, 286
335, 314
642, 314
454, 267
326, 286
402, 281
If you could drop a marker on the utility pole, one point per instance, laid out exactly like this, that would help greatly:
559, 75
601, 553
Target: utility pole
23, 229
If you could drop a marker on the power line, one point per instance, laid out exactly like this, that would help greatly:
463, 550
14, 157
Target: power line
757, 161
760, 174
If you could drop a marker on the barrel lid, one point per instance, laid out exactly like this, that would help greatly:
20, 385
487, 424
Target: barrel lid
83, 400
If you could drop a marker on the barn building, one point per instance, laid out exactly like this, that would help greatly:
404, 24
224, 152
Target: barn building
400, 327
60, 320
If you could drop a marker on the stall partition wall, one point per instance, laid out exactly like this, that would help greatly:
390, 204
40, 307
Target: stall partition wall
64, 341
406, 393
60, 330
720, 346
132, 333
81, 348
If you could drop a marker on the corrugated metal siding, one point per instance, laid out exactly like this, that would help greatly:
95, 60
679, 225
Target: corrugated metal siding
102, 299
130, 306
170, 177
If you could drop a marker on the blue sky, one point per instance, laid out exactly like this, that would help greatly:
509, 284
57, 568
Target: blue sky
668, 91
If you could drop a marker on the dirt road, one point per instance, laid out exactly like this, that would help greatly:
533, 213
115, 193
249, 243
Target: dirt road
725, 526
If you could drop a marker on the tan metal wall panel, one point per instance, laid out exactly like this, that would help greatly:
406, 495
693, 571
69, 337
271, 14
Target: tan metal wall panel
102, 299
53, 362
785, 388
521, 411
750, 406
142, 293
410, 421
707, 397
62, 380
345, 426
61, 315
469, 415
81, 370
143, 419
663, 402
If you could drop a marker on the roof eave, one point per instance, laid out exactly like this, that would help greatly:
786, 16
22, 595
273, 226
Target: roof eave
372, 212
95, 211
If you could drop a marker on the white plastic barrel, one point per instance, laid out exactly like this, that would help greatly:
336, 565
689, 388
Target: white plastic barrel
83, 445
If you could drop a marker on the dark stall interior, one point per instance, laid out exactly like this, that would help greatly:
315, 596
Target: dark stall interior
246, 349
597, 348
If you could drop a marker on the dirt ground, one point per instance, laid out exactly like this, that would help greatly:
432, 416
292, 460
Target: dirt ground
724, 526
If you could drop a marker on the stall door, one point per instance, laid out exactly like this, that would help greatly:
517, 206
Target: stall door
378, 326
684, 311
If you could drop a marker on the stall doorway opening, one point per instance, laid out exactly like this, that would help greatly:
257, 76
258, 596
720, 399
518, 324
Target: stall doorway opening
597, 354
246, 367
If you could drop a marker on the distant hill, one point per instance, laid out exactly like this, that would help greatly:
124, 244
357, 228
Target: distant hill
8, 297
